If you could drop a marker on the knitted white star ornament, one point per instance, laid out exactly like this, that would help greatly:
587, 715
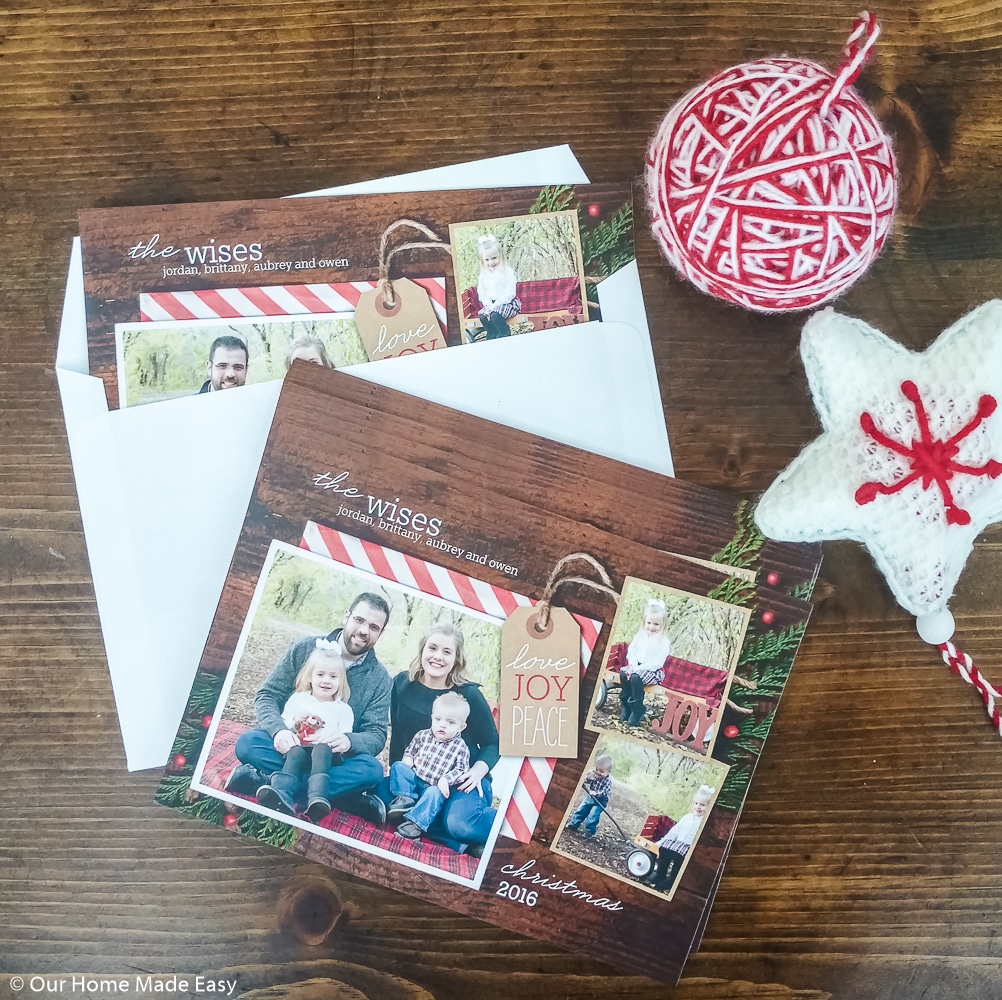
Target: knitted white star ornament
909, 463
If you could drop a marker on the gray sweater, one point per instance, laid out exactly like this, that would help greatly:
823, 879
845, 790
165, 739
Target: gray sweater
369, 699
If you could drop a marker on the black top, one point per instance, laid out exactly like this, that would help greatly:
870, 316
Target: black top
410, 711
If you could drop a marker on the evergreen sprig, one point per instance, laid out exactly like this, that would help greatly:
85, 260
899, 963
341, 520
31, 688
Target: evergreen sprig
742, 753
770, 657
188, 741
207, 808
268, 831
602, 245
175, 792
803, 590
769, 645
744, 547
204, 693
557, 198
769, 685
172, 790
733, 590
750, 738
735, 785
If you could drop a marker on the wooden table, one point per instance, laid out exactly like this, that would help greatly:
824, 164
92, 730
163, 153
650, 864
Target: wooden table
867, 862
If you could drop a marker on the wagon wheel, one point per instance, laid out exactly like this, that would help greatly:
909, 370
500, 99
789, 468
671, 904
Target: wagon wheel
639, 863
603, 693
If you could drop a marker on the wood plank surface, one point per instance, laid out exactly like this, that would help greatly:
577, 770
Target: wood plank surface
866, 863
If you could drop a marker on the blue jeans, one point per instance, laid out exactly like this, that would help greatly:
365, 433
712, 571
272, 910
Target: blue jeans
360, 772
588, 812
466, 818
403, 781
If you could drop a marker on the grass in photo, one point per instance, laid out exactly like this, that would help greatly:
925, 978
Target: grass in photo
668, 666
638, 810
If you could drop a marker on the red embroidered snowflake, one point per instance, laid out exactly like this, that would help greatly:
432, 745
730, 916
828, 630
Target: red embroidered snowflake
930, 460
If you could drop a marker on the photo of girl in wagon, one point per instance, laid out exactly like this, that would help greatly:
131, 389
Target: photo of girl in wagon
639, 811
668, 666
518, 274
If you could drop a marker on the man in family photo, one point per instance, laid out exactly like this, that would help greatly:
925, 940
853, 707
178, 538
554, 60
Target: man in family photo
227, 364
338, 672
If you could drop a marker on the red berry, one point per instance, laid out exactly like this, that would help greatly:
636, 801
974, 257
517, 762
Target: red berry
772, 579
230, 820
768, 617
206, 721
731, 731
595, 211
178, 761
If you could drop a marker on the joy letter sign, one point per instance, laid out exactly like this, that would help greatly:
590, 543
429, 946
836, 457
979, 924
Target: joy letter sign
540, 682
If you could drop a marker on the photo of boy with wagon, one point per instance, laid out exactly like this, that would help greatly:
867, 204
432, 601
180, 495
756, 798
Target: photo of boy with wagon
639, 811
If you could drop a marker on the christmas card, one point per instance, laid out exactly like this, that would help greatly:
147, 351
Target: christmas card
415, 590
186, 300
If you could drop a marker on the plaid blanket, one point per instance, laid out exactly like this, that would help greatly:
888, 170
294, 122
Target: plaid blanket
695, 679
546, 296
681, 676
222, 761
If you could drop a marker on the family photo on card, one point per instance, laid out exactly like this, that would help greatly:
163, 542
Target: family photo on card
363, 710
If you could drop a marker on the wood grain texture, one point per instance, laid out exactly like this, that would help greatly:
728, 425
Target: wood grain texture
866, 864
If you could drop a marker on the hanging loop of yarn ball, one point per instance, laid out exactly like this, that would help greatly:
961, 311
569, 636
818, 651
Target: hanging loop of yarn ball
772, 185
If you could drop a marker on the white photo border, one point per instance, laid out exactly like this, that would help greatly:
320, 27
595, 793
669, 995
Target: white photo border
509, 772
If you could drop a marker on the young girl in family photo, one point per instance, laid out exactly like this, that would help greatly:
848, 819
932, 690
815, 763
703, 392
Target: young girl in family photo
645, 659
496, 288
316, 711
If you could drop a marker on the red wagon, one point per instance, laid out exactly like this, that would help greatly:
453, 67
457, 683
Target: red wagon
640, 862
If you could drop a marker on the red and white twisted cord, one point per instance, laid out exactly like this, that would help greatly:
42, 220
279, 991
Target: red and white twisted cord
854, 54
963, 666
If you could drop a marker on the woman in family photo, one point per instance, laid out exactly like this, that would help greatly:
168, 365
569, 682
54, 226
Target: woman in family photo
440, 666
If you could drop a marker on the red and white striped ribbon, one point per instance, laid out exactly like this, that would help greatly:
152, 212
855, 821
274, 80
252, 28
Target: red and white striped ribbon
964, 667
272, 300
536, 772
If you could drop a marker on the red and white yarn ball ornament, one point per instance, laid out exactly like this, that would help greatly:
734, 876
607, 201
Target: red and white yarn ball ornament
772, 186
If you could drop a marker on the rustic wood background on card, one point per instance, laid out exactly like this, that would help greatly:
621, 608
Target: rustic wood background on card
460, 473
287, 230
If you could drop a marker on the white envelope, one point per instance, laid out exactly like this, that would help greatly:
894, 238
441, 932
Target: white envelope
163, 488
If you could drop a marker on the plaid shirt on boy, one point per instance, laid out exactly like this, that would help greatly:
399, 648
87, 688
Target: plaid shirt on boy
599, 787
434, 760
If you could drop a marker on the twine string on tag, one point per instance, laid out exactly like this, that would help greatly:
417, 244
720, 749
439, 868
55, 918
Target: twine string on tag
556, 580
748, 685
434, 242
